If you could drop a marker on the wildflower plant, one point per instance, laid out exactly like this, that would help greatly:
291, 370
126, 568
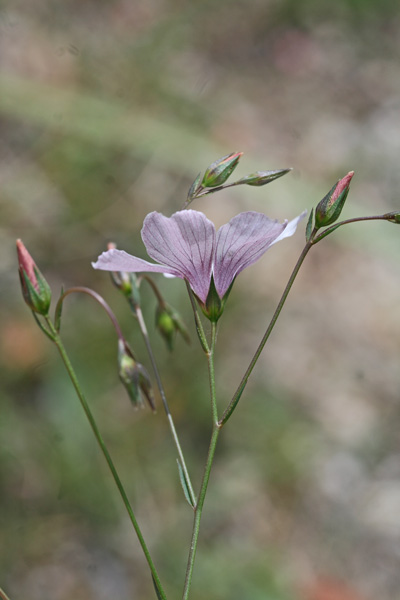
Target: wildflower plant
187, 246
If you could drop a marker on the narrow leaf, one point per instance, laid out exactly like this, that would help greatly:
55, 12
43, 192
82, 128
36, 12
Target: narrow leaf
309, 227
57, 316
42, 327
184, 484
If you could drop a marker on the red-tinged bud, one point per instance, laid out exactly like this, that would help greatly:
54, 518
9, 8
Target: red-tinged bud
219, 171
260, 178
35, 289
330, 207
134, 377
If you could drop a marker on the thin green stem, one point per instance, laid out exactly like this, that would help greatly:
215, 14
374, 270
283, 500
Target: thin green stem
207, 469
329, 230
95, 296
155, 289
236, 397
146, 338
106, 454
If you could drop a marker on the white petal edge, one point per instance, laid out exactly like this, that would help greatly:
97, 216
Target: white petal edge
290, 228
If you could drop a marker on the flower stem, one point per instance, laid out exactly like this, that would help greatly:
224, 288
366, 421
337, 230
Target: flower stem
236, 397
98, 298
329, 230
143, 329
3, 595
103, 447
155, 289
207, 469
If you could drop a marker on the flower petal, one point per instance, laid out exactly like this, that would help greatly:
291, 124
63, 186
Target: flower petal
290, 228
185, 243
119, 260
242, 241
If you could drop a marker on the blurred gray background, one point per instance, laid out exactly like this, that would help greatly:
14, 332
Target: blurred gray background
108, 110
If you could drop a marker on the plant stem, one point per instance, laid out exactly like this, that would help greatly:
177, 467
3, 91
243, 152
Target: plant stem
207, 469
98, 298
329, 230
155, 289
143, 329
236, 397
103, 447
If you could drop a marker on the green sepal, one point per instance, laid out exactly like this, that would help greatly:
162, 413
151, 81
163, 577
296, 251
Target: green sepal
220, 170
309, 227
184, 483
37, 300
327, 212
214, 305
194, 188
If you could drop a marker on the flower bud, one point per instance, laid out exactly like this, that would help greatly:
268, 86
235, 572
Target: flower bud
134, 377
260, 178
168, 323
330, 207
35, 289
219, 171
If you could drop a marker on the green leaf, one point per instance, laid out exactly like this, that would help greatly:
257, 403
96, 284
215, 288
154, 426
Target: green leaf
58, 313
184, 483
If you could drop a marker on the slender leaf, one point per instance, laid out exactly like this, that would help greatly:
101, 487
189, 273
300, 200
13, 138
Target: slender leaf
309, 227
184, 484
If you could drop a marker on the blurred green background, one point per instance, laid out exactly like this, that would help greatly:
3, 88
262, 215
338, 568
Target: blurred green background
108, 110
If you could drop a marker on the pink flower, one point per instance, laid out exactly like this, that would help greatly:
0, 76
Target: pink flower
186, 245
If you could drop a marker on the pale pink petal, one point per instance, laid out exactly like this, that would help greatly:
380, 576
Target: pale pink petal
185, 243
241, 242
119, 260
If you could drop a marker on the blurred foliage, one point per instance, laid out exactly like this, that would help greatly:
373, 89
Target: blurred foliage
108, 110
